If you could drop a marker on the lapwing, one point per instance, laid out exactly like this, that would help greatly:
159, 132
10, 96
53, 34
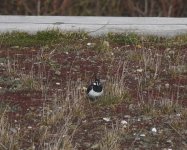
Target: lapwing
95, 89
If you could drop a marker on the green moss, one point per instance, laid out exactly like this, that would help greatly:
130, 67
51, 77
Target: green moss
52, 37
130, 38
41, 38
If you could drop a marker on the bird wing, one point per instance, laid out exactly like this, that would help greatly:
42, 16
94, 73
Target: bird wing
90, 87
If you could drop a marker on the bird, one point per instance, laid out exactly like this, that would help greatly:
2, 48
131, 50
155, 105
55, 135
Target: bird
95, 89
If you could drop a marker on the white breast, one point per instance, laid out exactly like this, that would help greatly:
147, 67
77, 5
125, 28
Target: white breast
94, 94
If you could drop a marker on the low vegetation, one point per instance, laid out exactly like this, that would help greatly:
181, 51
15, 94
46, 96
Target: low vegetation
43, 78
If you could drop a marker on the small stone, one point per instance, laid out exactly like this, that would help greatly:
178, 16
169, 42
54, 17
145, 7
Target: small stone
167, 85
139, 70
95, 146
154, 130
106, 119
169, 142
84, 88
57, 73
84, 121
57, 83
142, 135
89, 44
123, 122
64, 135
13, 130
29, 127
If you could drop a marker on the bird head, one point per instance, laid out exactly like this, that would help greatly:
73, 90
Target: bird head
97, 82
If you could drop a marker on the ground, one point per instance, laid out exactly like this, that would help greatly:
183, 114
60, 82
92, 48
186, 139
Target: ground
43, 103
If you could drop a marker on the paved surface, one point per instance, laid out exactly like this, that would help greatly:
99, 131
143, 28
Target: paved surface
96, 25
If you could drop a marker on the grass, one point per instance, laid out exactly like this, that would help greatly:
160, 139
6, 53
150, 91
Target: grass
52, 37
42, 38
130, 38
9, 136
43, 104
111, 139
